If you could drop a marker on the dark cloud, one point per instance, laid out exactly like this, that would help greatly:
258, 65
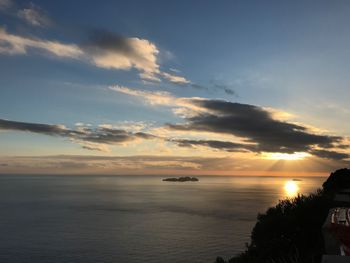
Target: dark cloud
230, 91
220, 145
240, 147
112, 136
101, 40
197, 86
224, 88
215, 87
99, 135
255, 125
48, 129
112, 51
330, 154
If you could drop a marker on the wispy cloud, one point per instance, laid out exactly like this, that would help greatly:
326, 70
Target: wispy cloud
15, 45
327, 154
5, 4
220, 86
152, 97
102, 164
35, 16
175, 79
215, 144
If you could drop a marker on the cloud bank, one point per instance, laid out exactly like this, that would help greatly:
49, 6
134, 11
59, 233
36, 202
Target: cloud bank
145, 164
255, 125
257, 128
90, 138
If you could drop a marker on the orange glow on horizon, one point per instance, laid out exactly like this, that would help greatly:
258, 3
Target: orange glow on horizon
286, 156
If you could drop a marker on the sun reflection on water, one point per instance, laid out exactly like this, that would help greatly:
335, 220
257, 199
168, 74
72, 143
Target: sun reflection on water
291, 188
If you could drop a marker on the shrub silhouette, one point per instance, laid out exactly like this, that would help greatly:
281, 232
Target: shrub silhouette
338, 180
291, 231
292, 225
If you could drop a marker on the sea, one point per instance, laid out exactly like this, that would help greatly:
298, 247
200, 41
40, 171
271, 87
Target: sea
133, 219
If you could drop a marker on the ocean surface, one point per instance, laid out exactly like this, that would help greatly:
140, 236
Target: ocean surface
132, 218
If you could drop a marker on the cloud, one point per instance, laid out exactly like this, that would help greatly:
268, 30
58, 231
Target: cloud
153, 98
214, 86
256, 125
48, 129
175, 70
15, 45
175, 79
106, 52
171, 164
109, 50
252, 124
103, 49
330, 154
91, 138
219, 145
34, 16
283, 137
5, 4
223, 87
183, 106
94, 146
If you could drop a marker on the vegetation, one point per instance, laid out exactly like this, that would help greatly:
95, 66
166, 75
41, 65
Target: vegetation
291, 231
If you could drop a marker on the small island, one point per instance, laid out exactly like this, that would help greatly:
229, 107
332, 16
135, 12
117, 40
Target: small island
181, 179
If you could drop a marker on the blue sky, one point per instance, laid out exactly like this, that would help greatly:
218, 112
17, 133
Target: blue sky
289, 58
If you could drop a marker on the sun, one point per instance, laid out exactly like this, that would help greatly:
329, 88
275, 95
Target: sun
287, 156
291, 188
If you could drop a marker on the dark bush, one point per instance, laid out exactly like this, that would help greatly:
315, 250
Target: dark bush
338, 180
293, 226
291, 232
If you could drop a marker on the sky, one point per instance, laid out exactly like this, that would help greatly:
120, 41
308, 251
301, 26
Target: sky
174, 87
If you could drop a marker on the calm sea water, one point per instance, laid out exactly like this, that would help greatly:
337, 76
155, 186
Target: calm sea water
132, 218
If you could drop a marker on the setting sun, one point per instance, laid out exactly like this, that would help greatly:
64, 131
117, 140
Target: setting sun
291, 188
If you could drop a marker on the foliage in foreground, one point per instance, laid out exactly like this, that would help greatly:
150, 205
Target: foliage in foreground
291, 232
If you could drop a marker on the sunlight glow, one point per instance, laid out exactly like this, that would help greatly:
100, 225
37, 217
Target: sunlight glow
291, 188
287, 156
